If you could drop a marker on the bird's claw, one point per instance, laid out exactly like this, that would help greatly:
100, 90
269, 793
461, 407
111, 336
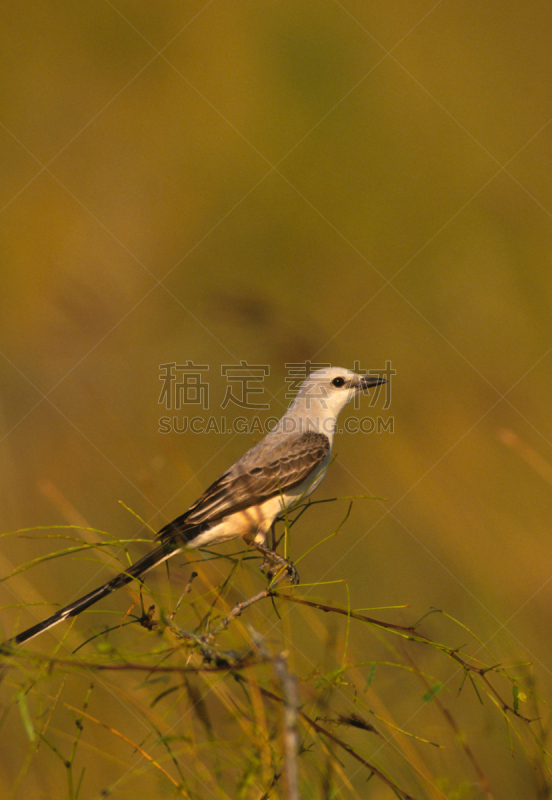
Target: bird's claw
274, 566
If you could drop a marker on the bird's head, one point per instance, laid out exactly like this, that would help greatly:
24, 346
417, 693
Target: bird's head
328, 390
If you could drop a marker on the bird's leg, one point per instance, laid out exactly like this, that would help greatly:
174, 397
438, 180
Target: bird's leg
273, 536
274, 562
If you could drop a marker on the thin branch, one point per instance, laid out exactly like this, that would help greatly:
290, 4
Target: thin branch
336, 740
411, 634
290, 699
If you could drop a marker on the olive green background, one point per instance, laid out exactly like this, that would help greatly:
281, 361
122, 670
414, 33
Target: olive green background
286, 182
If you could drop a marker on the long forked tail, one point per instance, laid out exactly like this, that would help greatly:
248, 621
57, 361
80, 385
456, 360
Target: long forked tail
139, 568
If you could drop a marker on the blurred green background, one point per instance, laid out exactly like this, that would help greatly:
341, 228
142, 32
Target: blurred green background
276, 183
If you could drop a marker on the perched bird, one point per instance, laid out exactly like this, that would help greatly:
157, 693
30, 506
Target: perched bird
283, 468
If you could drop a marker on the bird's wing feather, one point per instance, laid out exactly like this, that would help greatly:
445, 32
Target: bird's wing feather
237, 490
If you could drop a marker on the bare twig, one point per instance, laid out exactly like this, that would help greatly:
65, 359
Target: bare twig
413, 635
237, 610
290, 699
187, 589
339, 742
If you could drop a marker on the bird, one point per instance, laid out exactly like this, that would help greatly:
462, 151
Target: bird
282, 469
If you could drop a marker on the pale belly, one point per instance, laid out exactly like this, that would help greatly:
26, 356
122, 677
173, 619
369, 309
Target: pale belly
253, 524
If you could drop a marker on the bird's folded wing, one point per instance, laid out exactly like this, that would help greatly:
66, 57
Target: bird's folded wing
286, 467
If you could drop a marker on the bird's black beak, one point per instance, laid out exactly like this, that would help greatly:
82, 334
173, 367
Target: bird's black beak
367, 381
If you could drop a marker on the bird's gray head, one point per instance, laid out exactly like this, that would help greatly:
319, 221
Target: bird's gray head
325, 393
334, 387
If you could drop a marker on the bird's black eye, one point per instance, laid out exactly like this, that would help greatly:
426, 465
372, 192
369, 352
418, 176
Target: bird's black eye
338, 382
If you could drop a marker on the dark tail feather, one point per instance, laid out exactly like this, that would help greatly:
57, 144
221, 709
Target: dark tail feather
143, 565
